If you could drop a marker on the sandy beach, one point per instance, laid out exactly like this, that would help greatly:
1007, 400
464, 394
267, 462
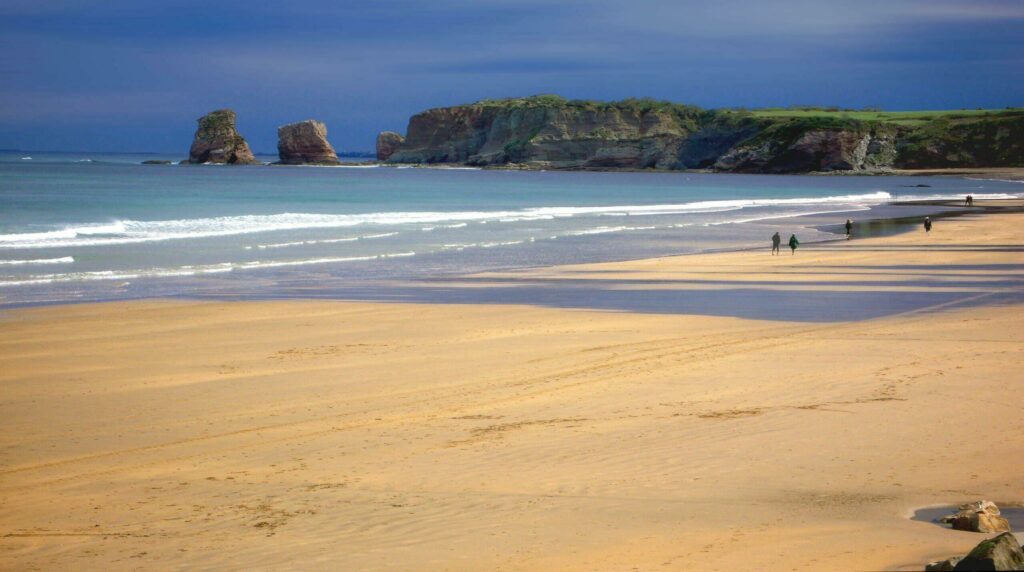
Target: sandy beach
731, 411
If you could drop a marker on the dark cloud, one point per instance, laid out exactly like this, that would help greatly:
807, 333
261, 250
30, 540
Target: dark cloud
121, 74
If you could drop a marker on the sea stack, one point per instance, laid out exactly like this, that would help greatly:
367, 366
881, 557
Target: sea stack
388, 143
217, 141
305, 143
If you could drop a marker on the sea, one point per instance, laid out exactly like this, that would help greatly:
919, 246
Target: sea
87, 226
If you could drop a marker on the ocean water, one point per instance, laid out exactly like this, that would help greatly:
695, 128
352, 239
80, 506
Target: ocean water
91, 227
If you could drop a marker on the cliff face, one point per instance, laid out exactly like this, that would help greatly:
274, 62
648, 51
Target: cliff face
305, 143
388, 143
550, 132
803, 150
217, 141
544, 136
965, 143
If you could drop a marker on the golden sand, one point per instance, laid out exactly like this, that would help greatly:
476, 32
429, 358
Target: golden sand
347, 436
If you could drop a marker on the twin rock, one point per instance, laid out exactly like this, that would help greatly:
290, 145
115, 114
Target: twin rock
217, 141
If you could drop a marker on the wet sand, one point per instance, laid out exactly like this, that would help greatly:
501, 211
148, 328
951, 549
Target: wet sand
998, 173
743, 411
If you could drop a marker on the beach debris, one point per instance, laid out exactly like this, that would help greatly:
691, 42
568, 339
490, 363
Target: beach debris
217, 141
980, 516
305, 143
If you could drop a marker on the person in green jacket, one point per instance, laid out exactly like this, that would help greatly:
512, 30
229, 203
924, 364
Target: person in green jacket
793, 242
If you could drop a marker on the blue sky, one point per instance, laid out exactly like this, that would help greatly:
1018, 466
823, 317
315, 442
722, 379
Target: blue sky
135, 75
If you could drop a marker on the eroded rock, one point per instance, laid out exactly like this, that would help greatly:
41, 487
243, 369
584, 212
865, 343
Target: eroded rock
217, 141
388, 143
947, 565
1002, 552
305, 143
980, 516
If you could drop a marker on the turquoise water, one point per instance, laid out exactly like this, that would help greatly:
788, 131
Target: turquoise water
79, 226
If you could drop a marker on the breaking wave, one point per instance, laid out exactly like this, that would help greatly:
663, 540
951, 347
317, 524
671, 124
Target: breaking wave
134, 231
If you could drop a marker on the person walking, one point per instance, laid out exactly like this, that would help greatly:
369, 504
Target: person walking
927, 224
793, 243
849, 228
776, 241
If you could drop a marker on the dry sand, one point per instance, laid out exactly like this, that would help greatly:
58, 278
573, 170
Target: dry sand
345, 436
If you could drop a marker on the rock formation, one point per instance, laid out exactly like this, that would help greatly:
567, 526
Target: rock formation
217, 141
1000, 553
305, 143
548, 132
981, 516
817, 150
388, 143
947, 565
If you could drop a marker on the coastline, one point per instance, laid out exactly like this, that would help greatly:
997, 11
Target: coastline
877, 220
985, 173
725, 426
1014, 174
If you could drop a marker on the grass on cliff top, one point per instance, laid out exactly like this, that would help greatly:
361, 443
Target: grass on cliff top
808, 117
643, 104
875, 115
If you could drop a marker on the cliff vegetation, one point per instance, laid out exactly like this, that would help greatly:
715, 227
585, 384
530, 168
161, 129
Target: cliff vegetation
549, 131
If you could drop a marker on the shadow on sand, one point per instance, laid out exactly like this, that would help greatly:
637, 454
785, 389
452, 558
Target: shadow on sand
914, 289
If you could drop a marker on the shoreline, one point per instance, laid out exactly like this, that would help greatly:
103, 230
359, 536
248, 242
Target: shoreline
886, 221
1015, 174
730, 432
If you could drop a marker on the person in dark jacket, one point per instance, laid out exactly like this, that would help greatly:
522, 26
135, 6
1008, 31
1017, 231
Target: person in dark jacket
776, 241
793, 242
849, 228
927, 224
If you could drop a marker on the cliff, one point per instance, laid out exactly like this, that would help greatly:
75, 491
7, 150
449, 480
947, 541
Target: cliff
217, 141
388, 143
305, 143
550, 132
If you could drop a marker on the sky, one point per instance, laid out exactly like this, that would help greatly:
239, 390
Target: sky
135, 75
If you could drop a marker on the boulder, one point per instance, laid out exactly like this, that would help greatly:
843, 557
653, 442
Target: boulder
217, 141
981, 516
305, 143
947, 565
1002, 552
388, 143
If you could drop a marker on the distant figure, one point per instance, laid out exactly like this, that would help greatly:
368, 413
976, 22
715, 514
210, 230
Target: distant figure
793, 242
969, 201
776, 241
927, 224
849, 228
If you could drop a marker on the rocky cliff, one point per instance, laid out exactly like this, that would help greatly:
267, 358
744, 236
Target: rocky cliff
217, 141
388, 143
305, 143
553, 133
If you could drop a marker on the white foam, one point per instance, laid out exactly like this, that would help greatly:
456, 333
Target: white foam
607, 229
190, 270
957, 197
132, 231
61, 260
787, 215
322, 241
